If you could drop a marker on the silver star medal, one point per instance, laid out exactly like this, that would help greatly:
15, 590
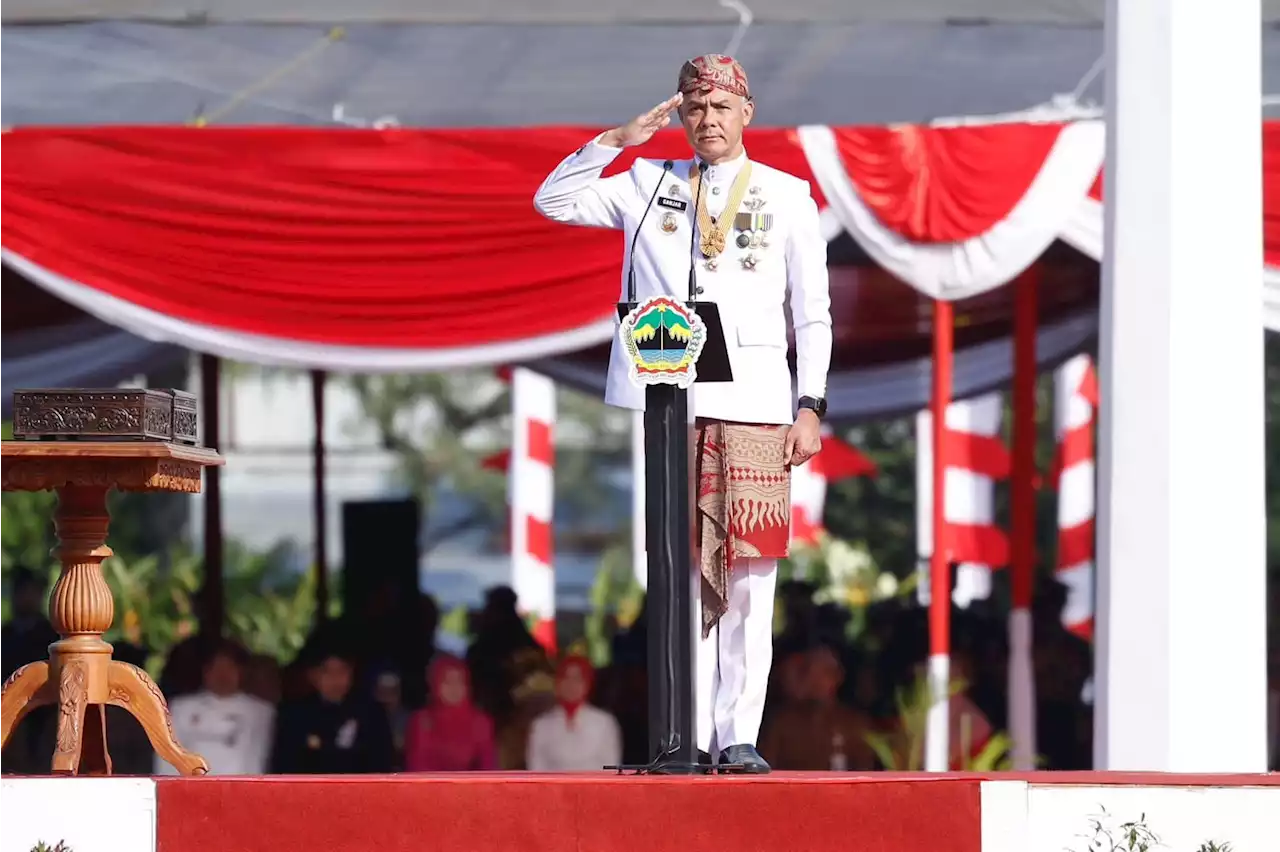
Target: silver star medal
749, 262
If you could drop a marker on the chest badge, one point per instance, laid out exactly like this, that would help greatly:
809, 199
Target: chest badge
749, 262
669, 223
674, 190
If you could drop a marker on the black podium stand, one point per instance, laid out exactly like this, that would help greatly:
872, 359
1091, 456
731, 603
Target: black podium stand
669, 542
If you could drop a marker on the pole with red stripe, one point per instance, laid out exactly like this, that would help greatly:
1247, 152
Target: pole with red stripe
937, 728
1022, 718
1075, 407
532, 498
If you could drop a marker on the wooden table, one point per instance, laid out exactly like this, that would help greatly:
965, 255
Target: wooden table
80, 673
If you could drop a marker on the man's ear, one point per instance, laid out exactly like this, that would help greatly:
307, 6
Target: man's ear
748, 110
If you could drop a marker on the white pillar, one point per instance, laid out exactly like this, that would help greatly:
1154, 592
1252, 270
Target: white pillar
1181, 656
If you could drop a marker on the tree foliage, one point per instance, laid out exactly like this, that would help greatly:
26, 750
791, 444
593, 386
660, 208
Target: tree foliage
442, 427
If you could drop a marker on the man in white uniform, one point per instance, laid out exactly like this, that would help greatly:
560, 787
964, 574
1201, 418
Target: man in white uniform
758, 240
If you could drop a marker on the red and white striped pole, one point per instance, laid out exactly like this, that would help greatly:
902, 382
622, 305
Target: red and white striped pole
937, 748
531, 490
1076, 402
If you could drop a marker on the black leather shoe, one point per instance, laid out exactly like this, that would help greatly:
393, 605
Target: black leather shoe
747, 757
704, 758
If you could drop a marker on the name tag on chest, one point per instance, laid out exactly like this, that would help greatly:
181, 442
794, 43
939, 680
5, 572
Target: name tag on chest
672, 203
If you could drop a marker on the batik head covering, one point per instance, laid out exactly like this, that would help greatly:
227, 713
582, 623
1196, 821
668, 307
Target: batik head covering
713, 71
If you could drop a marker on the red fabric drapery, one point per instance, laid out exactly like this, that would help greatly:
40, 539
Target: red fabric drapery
942, 185
410, 246
396, 238
356, 238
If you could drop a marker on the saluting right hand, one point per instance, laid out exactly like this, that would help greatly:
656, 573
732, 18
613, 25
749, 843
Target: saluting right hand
640, 129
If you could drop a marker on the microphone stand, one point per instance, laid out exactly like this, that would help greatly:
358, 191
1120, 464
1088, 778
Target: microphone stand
670, 546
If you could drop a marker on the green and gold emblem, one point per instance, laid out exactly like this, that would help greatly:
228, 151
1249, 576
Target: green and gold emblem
663, 339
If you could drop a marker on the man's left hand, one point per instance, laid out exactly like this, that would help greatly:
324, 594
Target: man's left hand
804, 438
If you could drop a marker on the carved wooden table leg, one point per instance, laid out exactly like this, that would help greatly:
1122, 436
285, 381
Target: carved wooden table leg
81, 610
132, 689
25, 690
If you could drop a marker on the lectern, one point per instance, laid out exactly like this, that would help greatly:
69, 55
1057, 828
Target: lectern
670, 346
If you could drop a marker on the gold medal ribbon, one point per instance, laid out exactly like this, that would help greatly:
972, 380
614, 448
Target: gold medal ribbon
712, 236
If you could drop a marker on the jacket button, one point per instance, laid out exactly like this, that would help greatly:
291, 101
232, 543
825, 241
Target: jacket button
697, 291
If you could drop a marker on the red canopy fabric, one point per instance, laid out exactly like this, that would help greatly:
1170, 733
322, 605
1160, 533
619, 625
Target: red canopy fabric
419, 249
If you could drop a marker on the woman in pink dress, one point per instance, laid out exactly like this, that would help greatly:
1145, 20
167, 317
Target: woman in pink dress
450, 734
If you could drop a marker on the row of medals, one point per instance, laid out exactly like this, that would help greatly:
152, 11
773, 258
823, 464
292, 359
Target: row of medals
753, 229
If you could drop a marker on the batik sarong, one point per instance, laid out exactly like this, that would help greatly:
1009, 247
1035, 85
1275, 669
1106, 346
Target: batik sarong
744, 503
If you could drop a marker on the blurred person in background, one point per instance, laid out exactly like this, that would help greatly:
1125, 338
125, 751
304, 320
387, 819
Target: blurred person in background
500, 637
27, 635
450, 734
574, 735
332, 730
534, 694
221, 722
387, 692
813, 731
24, 639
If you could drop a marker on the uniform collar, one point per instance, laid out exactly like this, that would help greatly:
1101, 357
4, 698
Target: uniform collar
722, 172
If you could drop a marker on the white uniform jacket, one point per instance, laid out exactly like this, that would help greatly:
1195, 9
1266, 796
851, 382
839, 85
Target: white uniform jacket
750, 284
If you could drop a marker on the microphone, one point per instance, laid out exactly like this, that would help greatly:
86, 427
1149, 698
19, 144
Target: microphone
631, 260
693, 236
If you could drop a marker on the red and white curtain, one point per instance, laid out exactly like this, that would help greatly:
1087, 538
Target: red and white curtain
978, 459
1075, 409
408, 250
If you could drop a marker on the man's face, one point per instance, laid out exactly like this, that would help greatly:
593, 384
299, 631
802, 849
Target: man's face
332, 679
714, 121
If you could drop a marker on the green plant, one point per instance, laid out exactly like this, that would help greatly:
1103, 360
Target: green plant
845, 574
270, 605
903, 749
1105, 835
615, 594
60, 846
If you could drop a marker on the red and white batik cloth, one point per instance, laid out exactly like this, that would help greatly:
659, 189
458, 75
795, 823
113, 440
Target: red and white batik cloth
744, 503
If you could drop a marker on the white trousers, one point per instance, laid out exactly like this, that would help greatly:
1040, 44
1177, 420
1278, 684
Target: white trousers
732, 663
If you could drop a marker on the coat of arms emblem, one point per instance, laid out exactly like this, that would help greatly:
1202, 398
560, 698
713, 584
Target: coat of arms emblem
663, 339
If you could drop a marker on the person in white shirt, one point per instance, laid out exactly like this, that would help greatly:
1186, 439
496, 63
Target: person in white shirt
230, 729
574, 735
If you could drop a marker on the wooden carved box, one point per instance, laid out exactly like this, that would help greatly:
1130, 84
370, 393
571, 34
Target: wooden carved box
115, 414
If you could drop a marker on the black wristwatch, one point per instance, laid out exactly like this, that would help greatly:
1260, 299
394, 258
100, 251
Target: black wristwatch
816, 404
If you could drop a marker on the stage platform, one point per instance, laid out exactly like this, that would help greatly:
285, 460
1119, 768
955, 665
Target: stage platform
602, 812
